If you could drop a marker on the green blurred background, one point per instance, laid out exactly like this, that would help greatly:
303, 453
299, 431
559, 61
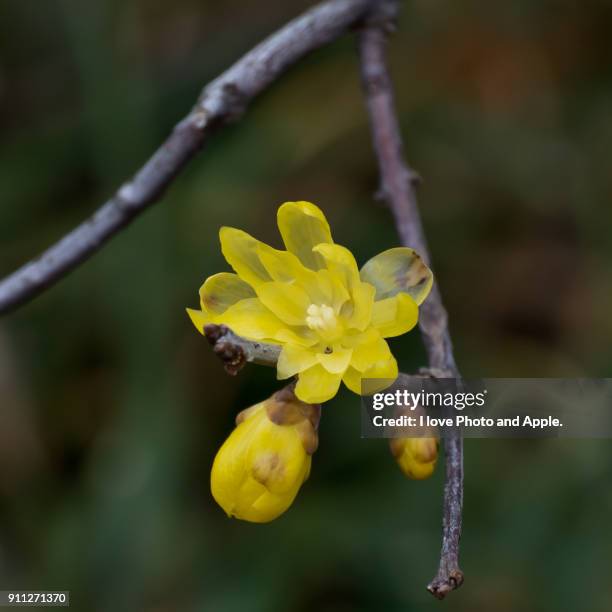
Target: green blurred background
112, 406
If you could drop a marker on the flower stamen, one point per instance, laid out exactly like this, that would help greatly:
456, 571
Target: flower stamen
321, 318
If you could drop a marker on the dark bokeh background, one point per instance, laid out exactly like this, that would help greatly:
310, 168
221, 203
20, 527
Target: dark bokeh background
112, 406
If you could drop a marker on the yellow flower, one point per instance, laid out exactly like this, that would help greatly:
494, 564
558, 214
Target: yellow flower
416, 457
262, 465
330, 318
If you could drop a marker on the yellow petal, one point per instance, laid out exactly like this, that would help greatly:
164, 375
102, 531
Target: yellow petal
395, 315
254, 503
340, 294
321, 286
276, 457
317, 385
358, 312
366, 354
240, 251
282, 266
229, 471
294, 359
383, 370
303, 226
288, 302
199, 319
251, 319
326, 288
398, 269
378, 377
354, 339
415, 470
337, 361
352, 379
340, 261
301, 336
222, 290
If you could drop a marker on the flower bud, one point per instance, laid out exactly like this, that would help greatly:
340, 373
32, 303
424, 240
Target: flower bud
263, 463
416, 457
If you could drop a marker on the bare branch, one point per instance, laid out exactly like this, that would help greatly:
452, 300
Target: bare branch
223, 100
235, 351
398, 189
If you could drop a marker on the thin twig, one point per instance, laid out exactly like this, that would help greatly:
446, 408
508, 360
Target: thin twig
398, 189
222, 101
235, 352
